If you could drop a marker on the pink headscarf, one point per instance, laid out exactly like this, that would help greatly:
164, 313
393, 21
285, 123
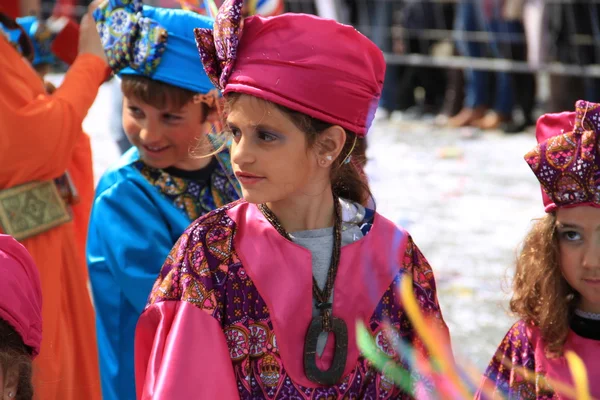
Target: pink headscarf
20, 292
312, 65
566, 159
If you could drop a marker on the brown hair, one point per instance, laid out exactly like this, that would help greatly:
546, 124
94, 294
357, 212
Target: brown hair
25, 47
15, 354
542, 296
348, 178
158, 94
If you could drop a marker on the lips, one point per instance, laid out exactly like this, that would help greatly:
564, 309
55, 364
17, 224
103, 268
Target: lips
154, 149
246, 178
592, 282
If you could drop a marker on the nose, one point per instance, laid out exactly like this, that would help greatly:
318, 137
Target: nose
150, 131
242, 151
591, 257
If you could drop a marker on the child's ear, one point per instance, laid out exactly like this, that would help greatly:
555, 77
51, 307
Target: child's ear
11, 383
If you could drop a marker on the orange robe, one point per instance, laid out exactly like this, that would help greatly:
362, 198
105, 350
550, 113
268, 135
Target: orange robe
81, 170
41, 139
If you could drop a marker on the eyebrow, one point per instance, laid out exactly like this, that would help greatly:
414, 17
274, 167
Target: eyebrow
561, 225
133, 102
255, 127
173, 111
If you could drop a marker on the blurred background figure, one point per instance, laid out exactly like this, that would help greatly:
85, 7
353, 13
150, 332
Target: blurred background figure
20, 319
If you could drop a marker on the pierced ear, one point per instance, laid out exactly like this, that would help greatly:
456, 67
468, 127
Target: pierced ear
11, 383
331, 142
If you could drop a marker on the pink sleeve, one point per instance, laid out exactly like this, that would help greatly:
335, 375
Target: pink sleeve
181, 353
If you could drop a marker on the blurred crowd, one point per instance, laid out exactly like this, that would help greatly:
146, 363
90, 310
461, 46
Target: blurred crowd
535, 32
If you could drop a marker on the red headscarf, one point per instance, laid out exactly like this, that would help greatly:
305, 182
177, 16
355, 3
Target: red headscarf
316, 66
20, 292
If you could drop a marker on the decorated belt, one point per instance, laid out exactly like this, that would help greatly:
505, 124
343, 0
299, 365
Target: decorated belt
36, 207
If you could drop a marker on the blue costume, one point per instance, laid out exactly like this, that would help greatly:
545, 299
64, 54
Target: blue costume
140, 211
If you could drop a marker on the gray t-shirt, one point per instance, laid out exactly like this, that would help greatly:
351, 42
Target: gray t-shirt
320, 244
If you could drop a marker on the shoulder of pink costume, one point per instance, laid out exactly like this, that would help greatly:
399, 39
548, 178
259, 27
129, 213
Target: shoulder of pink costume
390, 230
522, 336
216, 215
199, 262
381, 219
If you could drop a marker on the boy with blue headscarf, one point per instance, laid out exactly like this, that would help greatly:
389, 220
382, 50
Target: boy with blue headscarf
146, 200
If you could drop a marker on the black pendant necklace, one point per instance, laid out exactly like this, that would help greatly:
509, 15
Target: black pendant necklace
325, 322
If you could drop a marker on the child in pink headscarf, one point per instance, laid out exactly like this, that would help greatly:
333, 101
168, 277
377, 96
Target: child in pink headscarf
20, 319
260, 299
557, 281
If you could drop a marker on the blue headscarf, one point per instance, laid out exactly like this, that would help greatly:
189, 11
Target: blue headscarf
154, 42
41, 39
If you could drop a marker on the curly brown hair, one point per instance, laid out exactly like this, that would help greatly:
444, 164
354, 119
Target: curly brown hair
541, 295
15, 354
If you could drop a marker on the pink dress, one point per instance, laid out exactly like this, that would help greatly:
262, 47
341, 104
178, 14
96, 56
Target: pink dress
523, 347
228, 316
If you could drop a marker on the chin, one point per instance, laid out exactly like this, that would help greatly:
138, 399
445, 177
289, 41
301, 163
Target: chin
256, 196
159, 164
253, 198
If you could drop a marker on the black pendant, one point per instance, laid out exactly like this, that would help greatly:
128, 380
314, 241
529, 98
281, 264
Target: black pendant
335, 372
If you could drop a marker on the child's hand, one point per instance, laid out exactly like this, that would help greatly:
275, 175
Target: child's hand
89, 39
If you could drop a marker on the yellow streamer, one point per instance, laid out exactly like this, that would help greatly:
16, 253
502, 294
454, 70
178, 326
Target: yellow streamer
434, 346
252, 4
579, 374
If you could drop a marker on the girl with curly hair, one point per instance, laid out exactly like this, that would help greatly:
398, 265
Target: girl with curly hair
557, 281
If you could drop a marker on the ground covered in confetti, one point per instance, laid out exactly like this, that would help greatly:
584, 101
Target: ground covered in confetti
466, 197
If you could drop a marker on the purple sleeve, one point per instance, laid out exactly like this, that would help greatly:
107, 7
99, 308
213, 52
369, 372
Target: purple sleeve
511, 372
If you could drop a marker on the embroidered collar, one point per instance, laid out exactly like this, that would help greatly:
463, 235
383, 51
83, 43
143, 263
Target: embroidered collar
588, 315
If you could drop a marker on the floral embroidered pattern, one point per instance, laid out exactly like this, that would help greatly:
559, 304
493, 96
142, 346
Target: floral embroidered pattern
387, 341
237, 341
194, 198
516, 352
218, 47
259, 335
129, 38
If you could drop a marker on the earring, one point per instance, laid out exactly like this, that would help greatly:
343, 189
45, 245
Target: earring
329, 158
11, 395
